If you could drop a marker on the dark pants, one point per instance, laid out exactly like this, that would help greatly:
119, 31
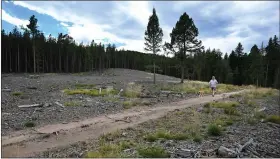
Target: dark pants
213, 88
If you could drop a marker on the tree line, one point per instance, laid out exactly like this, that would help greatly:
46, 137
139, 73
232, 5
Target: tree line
28, 50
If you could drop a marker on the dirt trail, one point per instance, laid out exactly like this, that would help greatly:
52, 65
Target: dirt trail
26, 144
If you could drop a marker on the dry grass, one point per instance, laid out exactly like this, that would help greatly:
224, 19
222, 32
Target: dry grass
273, 119
132, 90
214, 130
152, 152
111, 136
130, 103
195, 86
260, 93
162, 134
91, 92
224, 104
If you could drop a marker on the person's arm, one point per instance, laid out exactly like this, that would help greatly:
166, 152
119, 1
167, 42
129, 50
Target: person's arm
216, 82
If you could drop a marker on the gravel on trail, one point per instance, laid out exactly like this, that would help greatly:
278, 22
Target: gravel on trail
47, 89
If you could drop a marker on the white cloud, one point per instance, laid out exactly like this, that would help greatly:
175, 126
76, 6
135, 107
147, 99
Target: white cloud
88, 23
64, 24
13, 20
182, 5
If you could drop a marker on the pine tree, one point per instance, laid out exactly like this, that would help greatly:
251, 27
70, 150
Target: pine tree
255, 65
183, 40
153, 37
32, 26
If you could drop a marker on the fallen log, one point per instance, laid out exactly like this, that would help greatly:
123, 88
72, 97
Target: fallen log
31, 105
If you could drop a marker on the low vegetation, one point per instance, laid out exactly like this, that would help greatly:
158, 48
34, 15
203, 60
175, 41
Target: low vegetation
110, 150
130, 103
224, 104
132, 90
214, 130
111, 136
260, 93
105, 151
90, 92
17, 93
152, 152
228, 106
29, 124
273, 119
195, 86
166, 135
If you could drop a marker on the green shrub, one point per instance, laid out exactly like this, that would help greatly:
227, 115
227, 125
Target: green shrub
17, 93
197, 138
153, 152
214, 130
29, 124
230, 111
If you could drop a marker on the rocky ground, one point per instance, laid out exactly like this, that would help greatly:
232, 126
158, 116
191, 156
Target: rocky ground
245, 131
46, 89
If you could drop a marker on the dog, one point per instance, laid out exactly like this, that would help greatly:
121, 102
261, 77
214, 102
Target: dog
200, 93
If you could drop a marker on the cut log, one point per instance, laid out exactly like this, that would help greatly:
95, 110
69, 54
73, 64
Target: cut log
32, 105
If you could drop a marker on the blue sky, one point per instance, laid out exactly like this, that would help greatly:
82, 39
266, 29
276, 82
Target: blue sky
221, 24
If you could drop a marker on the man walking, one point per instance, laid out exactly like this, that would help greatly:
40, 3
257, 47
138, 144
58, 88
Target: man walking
213, 84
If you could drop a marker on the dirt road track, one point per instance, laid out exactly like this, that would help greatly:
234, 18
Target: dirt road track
26, 144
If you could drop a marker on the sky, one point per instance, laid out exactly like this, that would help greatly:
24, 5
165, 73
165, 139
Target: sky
221, 24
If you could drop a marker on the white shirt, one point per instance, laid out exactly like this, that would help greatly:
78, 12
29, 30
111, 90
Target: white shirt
213, 83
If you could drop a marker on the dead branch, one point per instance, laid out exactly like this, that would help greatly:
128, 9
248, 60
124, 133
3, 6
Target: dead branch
59, 104
241, 148
6, 90
32, 105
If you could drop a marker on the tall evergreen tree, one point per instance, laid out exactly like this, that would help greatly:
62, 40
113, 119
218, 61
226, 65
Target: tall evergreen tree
32, 26
184, 40
255, 71
153, 37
